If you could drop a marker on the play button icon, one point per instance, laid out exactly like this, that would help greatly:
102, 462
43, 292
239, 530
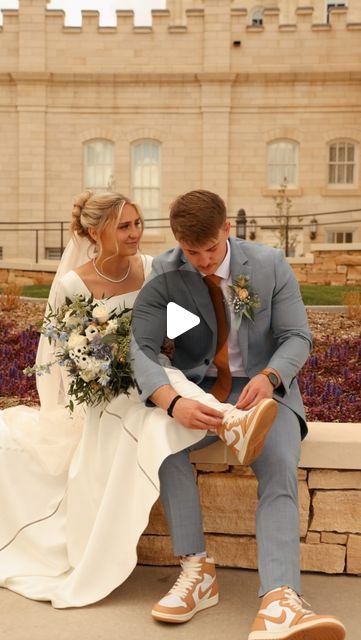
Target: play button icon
179, 320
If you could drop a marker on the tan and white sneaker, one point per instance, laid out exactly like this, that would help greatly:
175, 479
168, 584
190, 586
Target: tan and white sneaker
282, 616
245, 431
195, 589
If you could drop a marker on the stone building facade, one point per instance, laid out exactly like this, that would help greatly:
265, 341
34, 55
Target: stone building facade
224, 95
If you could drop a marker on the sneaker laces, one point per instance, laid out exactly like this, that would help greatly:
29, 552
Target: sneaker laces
188, 576
295, 601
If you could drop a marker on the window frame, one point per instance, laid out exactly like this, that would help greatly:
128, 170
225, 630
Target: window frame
344, 232
148, 212
256, 21
342, 185
290, 184
103, 188
56, 255
333, 4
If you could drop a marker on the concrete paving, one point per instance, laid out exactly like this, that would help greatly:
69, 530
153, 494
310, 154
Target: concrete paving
125, 614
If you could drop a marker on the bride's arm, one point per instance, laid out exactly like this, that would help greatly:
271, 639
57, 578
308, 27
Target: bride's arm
51, 387
190, 390
196, 409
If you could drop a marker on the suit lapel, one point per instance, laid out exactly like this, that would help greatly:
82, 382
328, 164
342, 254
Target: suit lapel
199, 292
240, 266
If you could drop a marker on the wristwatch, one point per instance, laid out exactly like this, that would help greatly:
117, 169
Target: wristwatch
272, 377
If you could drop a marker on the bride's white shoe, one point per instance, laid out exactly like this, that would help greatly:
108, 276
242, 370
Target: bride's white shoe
245, 431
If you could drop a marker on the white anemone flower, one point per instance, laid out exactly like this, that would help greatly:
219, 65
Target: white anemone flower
84, 362
91, 332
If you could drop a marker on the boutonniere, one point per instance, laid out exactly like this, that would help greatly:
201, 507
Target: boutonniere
241, 299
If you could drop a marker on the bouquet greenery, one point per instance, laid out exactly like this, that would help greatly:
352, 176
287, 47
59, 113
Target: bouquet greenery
92, 344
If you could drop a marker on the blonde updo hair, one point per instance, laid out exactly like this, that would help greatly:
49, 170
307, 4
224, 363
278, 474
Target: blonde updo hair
97, 210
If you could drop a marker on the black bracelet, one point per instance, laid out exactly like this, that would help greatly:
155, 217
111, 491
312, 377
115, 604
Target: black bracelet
171, 406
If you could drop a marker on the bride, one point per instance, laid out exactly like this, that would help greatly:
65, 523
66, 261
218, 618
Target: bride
76, 491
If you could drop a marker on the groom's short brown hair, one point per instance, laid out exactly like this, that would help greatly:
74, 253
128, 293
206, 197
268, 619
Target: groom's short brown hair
197, 216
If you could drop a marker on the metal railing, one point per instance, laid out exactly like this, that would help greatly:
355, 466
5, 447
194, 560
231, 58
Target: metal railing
58, 226
264, 221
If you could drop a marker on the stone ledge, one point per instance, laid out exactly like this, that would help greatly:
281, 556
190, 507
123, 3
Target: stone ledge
332, 445
329, 445
17, 265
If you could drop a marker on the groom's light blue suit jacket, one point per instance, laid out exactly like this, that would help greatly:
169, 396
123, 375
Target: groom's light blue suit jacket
278, 337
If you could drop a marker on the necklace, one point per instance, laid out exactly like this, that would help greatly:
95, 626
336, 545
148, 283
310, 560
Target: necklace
102, 275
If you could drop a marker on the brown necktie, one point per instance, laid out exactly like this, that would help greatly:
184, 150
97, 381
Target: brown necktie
223, 384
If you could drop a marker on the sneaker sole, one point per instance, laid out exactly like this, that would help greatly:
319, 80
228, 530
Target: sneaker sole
257, 432
325, 629
184, 617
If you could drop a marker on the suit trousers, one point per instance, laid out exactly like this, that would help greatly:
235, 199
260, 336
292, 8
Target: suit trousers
277, 517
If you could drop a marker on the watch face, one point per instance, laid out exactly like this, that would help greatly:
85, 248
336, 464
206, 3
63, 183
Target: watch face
273, 379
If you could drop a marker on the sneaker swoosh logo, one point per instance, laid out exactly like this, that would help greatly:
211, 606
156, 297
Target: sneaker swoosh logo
207, 582
204, 593
276, 620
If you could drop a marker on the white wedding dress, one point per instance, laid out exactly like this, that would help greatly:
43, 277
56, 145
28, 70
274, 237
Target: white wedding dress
76, 493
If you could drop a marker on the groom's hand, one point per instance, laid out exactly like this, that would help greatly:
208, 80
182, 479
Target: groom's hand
257, 389
190, 413
195, 415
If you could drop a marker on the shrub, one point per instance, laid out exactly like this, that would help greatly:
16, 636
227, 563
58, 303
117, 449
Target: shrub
17, 351
10, 297
330, 381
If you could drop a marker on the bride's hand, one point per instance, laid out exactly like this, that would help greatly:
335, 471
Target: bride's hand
195, 415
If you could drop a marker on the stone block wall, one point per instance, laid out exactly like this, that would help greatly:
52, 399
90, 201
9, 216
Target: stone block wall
335, 267
328, 267
22, 277
330, 520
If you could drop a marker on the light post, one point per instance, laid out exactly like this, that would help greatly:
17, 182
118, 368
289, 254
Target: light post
241, 224
313, 228
252, 229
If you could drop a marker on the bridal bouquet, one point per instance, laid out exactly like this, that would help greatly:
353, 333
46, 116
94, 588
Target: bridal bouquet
92, 344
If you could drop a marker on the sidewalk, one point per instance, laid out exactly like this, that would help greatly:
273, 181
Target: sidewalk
125, 614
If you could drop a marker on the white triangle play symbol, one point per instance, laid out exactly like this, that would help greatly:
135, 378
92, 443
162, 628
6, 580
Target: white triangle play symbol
179, 320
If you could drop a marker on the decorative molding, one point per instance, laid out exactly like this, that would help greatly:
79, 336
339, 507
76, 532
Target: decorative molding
94, 133
146, 133
287, 27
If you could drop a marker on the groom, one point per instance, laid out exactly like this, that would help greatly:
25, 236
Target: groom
256, 359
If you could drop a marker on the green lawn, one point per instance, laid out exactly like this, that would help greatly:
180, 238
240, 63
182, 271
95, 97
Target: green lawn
36, 290
312, 294
325, 294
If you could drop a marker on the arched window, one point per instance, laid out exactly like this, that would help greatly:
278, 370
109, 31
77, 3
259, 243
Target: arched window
257, 17
146, 176
341, 162
282, 163
98, 165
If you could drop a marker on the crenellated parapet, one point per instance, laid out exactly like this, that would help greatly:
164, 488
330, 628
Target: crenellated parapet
178, 12
190, 36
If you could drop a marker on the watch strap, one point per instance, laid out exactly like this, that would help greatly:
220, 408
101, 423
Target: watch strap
269, 373
171, 406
